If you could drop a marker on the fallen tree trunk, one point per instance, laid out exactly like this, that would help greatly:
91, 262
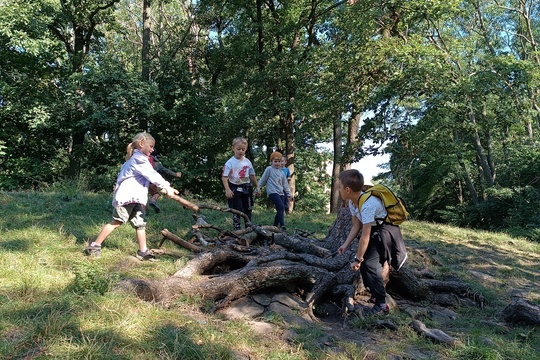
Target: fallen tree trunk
257, 272
272, 260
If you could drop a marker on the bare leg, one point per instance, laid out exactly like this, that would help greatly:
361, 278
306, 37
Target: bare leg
143, 254
106, 231
141, 239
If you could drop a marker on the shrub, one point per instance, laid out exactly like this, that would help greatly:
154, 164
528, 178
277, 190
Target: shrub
92, 277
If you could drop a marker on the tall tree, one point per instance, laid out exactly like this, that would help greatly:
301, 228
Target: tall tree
75, 25
30, 155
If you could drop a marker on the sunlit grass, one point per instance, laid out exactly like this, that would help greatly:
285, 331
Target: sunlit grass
42, 236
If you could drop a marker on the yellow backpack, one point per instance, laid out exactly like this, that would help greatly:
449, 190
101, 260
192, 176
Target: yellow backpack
396, 208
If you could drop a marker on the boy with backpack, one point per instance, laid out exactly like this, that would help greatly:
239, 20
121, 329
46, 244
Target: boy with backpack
380, 240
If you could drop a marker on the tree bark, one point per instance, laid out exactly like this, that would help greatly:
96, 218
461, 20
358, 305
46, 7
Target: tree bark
145, 49
465, 172
335, 198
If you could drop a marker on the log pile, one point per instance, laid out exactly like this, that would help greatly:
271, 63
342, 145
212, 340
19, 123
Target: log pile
234, 264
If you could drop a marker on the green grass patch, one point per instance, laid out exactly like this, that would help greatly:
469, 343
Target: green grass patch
57, 303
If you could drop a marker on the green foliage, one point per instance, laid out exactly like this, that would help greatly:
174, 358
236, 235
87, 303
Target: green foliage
312, 181
523, 212
513, 208
92, 277
453, 96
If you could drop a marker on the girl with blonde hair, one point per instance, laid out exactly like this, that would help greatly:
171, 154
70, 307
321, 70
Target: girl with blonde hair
131, 195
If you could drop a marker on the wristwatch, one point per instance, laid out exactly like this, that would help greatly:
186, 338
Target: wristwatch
357, 259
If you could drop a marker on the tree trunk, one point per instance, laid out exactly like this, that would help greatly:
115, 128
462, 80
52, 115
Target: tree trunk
145, 49
343, 153
482, 158
145, 52
464, 170
335, 198
291, 148
260, 39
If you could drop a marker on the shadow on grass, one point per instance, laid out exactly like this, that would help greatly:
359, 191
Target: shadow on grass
180, 342
507, 264
53, 327
15, 245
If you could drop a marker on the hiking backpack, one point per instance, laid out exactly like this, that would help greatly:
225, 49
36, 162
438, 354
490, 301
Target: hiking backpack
395, 207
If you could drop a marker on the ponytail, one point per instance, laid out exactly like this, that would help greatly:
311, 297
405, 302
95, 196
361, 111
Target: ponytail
130, 149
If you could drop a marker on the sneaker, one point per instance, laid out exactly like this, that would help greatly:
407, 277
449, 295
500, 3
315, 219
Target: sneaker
379, 309
93, 250
145, 256
155, 207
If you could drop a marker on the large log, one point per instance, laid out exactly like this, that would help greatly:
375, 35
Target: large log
225, 288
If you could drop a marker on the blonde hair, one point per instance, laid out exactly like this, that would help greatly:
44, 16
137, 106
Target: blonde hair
276, 155
241, 140
137, 142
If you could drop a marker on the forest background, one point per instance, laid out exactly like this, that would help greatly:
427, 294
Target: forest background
450, 88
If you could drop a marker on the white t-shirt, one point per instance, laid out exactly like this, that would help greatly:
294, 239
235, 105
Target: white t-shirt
372, 209
238, 171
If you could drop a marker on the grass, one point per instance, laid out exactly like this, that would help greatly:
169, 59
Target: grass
57, 303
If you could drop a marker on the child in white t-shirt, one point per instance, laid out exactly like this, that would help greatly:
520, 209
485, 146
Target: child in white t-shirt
238, 176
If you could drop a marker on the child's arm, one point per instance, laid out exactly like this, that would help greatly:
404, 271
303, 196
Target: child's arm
228, 192
264, 178
143, 167
253, 179
287, 188
158, 166
356, 226
362, 246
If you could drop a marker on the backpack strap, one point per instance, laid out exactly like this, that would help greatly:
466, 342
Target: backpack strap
362, 200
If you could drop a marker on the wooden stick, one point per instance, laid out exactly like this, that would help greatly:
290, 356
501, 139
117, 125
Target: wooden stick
179, 241
185, 203
240, 213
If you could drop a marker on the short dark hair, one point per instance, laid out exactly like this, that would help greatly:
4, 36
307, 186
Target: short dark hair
353, 179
